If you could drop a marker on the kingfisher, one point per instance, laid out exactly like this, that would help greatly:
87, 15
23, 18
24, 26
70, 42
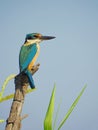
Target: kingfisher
29, 53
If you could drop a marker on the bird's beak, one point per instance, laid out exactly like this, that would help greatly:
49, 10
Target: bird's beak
47, 37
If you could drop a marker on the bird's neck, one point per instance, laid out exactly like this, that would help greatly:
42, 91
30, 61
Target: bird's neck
29, 42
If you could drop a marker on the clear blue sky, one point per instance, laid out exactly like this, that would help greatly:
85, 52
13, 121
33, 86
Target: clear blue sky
70, 60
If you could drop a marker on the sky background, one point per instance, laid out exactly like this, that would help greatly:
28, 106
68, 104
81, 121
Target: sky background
70, 60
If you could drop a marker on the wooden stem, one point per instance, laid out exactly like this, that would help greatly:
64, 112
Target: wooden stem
21, 84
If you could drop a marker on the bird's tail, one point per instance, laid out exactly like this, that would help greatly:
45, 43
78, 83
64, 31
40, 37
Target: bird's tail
30, 78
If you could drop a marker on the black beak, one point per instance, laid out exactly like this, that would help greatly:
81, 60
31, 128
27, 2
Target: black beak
47, 37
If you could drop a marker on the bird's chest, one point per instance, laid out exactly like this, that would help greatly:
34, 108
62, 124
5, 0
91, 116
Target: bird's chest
34, 58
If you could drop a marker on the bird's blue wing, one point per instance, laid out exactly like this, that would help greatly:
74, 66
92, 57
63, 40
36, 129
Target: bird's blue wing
26, 55
30, 78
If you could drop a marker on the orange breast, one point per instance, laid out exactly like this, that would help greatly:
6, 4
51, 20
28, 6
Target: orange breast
34, 59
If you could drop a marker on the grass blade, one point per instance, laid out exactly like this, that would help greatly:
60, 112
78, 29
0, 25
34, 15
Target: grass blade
71, 108
49, 113
56, 117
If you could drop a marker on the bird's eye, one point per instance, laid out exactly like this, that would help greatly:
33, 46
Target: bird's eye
35, 36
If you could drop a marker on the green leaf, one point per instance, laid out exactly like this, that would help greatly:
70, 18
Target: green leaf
1, 121
49, 113
8, 97
5, 84
71, 108
56, 117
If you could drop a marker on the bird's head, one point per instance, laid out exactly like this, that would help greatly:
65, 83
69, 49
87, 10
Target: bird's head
36, 38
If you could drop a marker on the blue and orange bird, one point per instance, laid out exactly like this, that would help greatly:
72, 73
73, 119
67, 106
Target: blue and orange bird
29, 53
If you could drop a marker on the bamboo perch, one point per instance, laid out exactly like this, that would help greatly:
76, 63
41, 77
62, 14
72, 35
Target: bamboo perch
21, 84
